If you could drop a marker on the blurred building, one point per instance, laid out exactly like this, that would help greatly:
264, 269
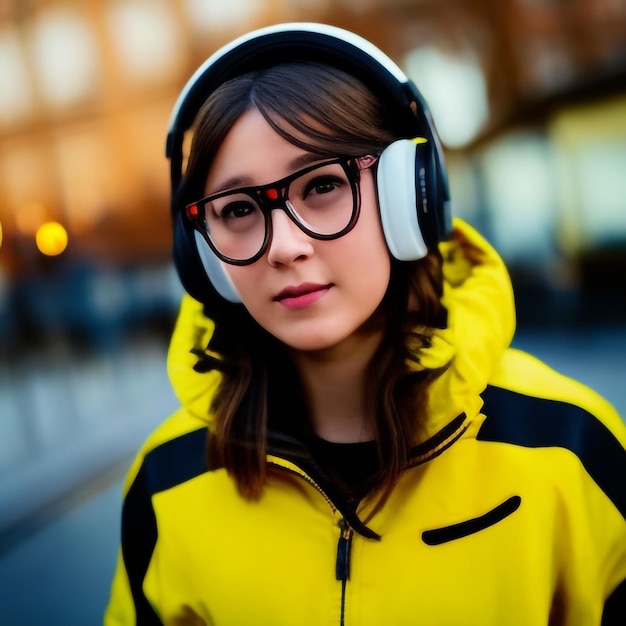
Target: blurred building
529, 97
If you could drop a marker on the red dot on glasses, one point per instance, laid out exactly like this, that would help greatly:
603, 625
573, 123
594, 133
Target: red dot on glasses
271, 194
192, 211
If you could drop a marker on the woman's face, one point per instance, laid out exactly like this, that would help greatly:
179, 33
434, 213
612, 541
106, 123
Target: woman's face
309, 294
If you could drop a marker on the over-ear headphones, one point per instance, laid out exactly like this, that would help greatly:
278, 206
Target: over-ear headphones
411, 177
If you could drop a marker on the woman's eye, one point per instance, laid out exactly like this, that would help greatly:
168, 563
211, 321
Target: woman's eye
238, 209
322, 185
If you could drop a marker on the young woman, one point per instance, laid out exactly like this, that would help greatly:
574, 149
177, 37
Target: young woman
357, 443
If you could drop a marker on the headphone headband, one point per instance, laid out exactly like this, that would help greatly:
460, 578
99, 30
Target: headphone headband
263, 47
302, 42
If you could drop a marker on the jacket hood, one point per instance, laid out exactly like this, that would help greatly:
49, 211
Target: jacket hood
481, 322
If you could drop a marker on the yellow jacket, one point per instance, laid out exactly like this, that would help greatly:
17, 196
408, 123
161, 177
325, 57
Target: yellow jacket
511, 514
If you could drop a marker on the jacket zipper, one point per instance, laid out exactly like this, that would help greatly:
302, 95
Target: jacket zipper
344, 545
342, 567
304, 476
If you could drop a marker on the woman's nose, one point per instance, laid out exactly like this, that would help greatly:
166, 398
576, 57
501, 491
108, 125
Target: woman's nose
288, 242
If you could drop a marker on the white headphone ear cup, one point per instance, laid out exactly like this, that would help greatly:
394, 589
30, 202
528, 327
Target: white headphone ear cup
215, 270
397, 200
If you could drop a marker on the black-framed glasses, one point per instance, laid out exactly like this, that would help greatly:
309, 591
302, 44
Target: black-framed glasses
323, 200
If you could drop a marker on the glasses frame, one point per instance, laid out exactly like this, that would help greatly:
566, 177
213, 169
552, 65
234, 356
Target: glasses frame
275, 195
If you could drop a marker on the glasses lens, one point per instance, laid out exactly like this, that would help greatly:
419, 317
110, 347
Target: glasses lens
236, 225
323, 199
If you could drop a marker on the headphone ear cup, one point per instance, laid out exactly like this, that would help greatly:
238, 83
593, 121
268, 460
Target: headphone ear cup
406, 198
202, 274
215, 271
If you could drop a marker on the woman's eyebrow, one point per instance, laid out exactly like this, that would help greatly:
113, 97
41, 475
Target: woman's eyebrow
307, 158
302, 160
231, 183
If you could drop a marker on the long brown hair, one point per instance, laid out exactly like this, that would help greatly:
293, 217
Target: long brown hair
329, 112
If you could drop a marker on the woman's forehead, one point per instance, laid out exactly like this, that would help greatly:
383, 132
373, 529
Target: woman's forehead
253, 153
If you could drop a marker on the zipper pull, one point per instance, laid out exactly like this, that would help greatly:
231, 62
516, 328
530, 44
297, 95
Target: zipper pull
342, 567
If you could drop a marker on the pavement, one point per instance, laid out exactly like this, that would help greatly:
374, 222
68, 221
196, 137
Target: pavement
70, 427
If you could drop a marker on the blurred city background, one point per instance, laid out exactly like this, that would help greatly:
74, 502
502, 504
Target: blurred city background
529, 97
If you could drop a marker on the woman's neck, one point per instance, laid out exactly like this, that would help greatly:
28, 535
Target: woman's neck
334, 380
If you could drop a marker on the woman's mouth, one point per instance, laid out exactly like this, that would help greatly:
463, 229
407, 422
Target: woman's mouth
302, 296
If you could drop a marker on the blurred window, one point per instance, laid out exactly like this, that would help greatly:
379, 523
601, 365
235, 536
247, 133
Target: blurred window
600, 170
146, 39
455, 88
519, 189
65, 56
590, 148
16, 98
207, 15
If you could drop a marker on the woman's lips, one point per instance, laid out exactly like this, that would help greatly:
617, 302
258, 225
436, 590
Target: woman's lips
302, 296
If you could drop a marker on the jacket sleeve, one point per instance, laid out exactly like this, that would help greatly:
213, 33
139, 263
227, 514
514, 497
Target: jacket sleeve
156, 468
128, 604
580, 440
120, 610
